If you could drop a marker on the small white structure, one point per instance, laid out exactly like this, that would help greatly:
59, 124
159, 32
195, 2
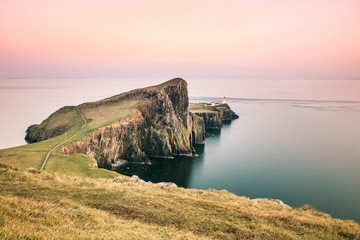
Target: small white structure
215, 103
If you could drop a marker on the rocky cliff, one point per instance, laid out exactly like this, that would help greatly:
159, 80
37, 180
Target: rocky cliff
159, 125
214, 115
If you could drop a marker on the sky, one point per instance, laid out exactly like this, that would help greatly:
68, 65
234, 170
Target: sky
238, 39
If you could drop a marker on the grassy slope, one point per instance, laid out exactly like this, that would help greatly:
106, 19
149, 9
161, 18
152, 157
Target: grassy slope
40, 205
98, 114
200, 108
32, 155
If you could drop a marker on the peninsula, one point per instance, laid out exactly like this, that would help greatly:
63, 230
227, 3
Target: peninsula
76, 197
150, 122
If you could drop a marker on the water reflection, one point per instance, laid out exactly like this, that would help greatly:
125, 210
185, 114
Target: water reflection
302, 152
178, 170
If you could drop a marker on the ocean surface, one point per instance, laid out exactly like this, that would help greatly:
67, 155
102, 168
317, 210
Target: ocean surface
304, 150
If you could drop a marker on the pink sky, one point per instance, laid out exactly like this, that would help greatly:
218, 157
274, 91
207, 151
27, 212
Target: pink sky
158, 38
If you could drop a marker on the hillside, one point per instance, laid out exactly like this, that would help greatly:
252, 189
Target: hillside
38, 205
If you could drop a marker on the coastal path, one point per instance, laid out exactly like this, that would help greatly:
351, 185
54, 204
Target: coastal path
48, 154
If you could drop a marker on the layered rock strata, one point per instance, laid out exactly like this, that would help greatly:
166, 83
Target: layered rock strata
214, 116
161, 126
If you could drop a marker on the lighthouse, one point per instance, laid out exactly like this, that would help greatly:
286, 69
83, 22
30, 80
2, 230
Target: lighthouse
224, 101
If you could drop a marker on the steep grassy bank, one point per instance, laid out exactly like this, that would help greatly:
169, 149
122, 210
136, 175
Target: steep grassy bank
41, 205
62, 124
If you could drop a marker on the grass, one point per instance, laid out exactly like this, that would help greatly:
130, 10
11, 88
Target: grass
33, 155
73, 200
103, 115
66, 116
98, 114
200, 108
41, 205
77, 165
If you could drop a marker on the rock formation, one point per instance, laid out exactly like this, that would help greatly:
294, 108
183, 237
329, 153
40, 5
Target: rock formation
214, 115
162, 126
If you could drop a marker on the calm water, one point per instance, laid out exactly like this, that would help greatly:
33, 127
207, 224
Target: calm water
302, 152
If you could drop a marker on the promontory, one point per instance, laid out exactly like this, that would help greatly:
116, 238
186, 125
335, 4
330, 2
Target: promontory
156, 121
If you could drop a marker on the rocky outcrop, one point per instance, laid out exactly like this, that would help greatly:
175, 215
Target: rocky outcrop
214, 116
227, 115
212, 120
136, 180
198, 129
277, 201
119, 140
162, 128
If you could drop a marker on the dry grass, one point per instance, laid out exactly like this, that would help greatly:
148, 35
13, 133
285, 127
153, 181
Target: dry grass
107, 114
200, 108
40, 205
73, 200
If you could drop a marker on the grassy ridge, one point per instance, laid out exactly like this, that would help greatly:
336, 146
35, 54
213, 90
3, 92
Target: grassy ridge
41, 205
33, 155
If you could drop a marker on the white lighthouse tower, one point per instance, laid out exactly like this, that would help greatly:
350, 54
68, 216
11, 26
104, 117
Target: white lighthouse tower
224, 101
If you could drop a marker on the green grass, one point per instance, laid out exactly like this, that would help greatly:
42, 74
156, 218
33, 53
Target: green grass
66, 117
41, 205
77, 165
98, 114
108, 113
200, 108
32, 155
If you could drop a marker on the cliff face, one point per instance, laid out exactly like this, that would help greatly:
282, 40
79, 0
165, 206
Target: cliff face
198, 129
149, 122
213, 116
226, 114
212, 120
161, 127
109, 143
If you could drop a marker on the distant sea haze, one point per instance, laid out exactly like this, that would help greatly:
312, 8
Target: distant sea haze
298, 140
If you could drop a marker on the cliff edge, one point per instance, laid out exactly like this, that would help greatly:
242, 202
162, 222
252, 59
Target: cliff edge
147, 122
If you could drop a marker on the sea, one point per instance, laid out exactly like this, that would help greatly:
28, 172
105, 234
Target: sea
297, 141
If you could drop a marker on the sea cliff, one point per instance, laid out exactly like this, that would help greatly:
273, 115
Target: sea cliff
214, 115
162, 124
